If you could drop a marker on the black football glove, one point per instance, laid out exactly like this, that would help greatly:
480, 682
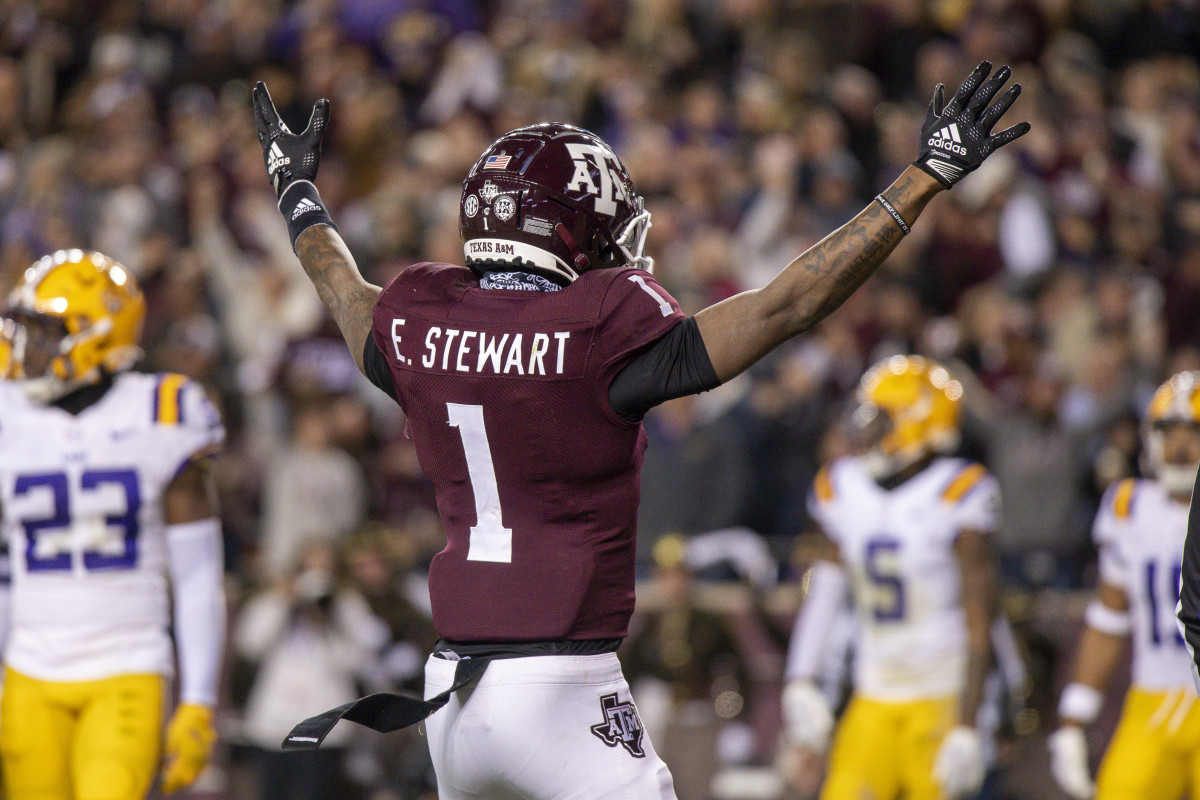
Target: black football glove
957, 136
292, 161
290, 157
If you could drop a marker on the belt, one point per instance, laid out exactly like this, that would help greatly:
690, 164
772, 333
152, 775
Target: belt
493, 650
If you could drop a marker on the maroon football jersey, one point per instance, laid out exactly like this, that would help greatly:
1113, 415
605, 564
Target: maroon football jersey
537, 478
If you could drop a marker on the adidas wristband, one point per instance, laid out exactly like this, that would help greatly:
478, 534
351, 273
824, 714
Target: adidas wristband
302, 208
891, 209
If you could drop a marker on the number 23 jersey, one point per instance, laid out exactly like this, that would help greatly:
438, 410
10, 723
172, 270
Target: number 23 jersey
83, 515
898, 549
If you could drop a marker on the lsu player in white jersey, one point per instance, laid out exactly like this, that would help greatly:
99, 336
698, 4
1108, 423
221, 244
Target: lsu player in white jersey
907, 534
107, 505
1139, 531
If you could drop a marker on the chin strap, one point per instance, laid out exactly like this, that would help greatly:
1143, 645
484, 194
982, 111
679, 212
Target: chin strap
577, 255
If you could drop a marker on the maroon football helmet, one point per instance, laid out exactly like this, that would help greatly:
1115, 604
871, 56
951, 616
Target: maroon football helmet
552, 199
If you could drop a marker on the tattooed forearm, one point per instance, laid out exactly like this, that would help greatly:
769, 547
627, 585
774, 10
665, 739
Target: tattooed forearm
849, 257
349, 299
844, 259
742, 329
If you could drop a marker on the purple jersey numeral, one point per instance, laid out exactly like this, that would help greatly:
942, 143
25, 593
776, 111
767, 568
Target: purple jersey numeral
60, 519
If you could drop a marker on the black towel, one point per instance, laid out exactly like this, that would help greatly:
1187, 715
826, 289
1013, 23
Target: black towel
383, 712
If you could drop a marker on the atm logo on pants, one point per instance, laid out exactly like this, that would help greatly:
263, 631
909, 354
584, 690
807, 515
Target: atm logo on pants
621, 725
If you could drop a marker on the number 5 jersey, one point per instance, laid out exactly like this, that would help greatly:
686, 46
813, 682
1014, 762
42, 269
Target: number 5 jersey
82, 507
898, 549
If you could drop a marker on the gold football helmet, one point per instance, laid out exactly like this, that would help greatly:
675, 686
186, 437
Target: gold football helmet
1176, 403
72, 316
908, 408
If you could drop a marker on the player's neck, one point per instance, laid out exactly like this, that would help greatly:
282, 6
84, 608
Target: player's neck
85, 397
518, 280
913, 469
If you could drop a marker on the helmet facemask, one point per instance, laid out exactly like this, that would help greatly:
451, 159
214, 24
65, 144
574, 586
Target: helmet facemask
40, 347
36, 343
631, 239
1177, 476
868, 426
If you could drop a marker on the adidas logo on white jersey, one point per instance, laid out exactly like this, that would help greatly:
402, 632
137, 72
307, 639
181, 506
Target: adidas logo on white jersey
948, 139
276, 158
304, 206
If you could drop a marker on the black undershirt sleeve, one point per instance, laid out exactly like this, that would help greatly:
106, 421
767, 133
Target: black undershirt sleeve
674, 365
376, 367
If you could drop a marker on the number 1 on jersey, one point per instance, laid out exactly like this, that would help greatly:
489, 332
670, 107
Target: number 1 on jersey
663, 305
489, 540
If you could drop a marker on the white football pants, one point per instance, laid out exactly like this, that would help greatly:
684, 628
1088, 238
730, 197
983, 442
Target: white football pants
542, 728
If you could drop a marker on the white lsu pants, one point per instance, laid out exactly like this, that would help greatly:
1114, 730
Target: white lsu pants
542, 728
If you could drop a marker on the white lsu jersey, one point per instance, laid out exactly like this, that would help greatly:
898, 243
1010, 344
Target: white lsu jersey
82, 507
1139, 531
898, 549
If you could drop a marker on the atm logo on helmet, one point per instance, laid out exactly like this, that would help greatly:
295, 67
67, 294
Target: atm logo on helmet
611, 188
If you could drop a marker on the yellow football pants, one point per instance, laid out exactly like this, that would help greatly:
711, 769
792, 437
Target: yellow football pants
84, 740
1155, 751
885, 750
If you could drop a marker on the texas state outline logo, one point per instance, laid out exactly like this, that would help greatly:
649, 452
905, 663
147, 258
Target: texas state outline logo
621, 725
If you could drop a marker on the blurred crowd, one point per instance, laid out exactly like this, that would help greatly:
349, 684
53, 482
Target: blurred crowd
1059, 282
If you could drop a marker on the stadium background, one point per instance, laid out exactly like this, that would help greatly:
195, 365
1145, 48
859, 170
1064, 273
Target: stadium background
1060, 282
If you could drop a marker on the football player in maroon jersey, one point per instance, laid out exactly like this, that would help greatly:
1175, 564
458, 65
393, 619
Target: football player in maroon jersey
525, 375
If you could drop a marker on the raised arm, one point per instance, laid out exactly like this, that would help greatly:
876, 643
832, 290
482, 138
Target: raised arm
292, 161
955, 139
348, 298
739, 331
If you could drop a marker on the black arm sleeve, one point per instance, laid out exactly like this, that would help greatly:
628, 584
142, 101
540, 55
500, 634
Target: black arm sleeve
1189, 585
376, 367
674, 365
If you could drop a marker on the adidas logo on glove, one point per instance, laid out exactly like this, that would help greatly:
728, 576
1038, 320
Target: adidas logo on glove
947, 139
276, 158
